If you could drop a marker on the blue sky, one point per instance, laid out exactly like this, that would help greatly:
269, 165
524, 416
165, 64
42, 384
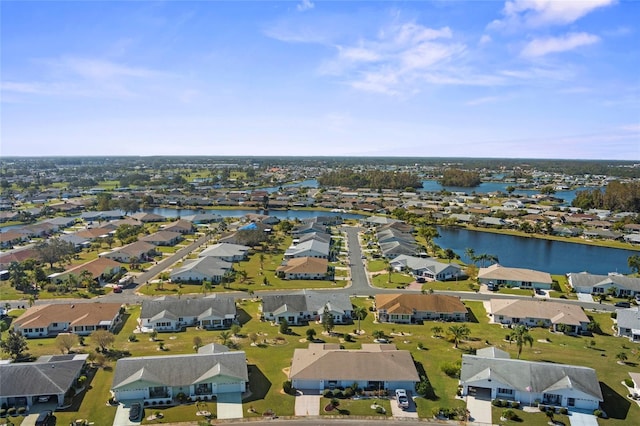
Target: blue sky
517, 78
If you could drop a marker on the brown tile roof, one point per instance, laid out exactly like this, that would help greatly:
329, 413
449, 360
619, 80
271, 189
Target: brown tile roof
319, 362
408, 303
557, 313
97, 267
304, 265
75, 314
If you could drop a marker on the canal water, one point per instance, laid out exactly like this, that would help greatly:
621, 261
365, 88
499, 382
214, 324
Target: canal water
555, 257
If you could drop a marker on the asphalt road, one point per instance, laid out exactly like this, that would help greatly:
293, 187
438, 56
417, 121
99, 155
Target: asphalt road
359, 285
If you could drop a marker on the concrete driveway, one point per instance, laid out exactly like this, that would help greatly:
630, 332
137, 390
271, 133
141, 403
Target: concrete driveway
479, 409
307, 404
397, 412
122, 416
230, 405
582, 419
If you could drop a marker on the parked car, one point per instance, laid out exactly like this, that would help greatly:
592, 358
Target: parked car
402, 398
381, 341
117, 289
45, 418
135, 411
623, 305
44, 398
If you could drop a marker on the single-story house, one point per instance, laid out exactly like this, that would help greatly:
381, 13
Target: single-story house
393, 249
78, 318
300, 308
493, 371
51, 376
226, 251
534, 313
374, 367
163, 238
148, 217
140, 249
309, 248
628, 321
102, 269
304, 268
173, 314
624, 286
411, 308
203, 268
181, 226
428, 268
515, 277
160, 379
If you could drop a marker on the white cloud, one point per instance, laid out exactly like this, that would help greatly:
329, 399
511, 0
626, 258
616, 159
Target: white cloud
543, 46
305, 5
539, 13
485, 100
485, 39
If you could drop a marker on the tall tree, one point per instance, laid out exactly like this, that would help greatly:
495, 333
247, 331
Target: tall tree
102, 338
66, 341
521, 336
634, 263
15, 345
18, 276
328, 323
360, 312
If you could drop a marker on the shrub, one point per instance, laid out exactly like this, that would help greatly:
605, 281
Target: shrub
628, 382
338, 394
348, 392
496, 402
22, 410
515, 404
335, 402
420, 345
563, 410
348, 338
11, 411
3, 412
380, 410
451, 369
51, 288
542, 408
288, 387
327, 393
509, 414
132, 338
597, 413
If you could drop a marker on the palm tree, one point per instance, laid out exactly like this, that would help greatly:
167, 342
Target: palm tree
471, 254
458, 333
521, 335
311, 334
378, 334
622, 357
437, 330
224, 337
359, 312
389, 270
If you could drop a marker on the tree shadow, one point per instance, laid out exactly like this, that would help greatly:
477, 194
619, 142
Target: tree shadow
615, 405
430, 393
259, 384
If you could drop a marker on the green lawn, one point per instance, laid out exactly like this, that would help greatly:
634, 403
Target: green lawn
360, 407
270, 359
397, 279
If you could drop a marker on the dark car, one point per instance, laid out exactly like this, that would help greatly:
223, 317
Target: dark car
135, 411
45, 418
623, 305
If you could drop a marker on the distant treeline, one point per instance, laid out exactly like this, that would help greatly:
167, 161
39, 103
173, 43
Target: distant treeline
617, 196
457, 177
370, 179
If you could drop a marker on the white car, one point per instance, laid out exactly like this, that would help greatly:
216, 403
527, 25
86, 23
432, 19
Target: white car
402, 398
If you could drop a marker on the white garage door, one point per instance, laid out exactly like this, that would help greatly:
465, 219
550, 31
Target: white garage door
131, 394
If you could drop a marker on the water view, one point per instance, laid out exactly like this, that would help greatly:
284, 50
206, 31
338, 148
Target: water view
555, 257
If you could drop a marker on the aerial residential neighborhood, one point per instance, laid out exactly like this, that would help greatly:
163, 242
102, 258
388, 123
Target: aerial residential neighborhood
167, 315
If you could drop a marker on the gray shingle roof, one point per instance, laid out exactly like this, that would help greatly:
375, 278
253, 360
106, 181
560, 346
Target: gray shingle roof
219, 306
306, 302
41, 377
180, 370
527, 376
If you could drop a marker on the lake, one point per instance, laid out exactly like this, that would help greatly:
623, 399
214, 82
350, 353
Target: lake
555, 257
280, 214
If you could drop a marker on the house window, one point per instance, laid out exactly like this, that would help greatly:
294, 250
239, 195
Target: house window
55, 324
504, 391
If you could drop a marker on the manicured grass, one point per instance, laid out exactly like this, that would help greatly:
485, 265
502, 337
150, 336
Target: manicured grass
269, 361
397, 279
528, 418
461, 285
92, 402
353, 407
376, 265
518, 291
179, 413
